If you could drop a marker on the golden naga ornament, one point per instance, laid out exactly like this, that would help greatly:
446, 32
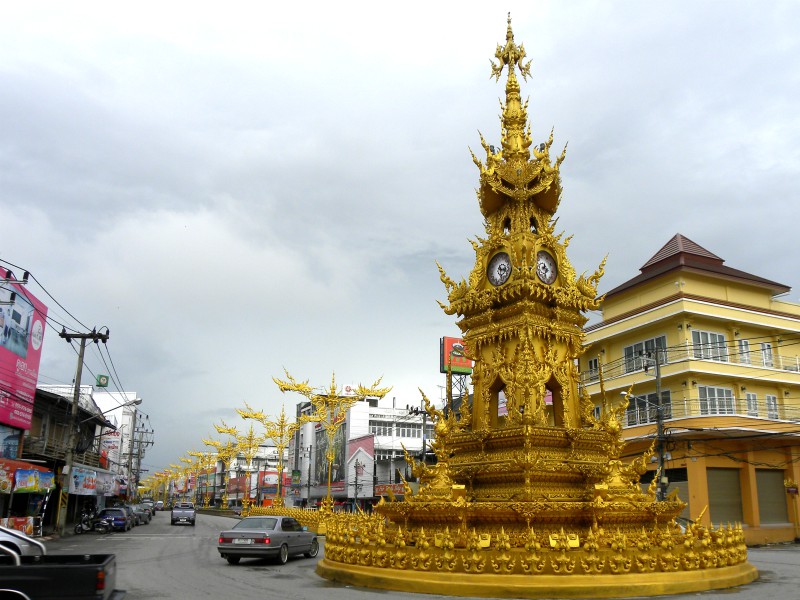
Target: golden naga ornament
529, 496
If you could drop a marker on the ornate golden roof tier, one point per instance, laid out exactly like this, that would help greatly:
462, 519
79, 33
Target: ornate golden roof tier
529, 496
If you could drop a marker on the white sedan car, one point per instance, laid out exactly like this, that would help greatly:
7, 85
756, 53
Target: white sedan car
258, 537
20, 543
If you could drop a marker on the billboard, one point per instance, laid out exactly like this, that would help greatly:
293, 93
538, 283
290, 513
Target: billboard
453, 354
22, 322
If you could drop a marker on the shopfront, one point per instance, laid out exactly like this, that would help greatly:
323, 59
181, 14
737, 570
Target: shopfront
25, 493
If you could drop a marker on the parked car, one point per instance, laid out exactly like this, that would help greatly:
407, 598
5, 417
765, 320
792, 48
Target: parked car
258, 537
20, 543
129, 509
142, 514
150, 506
118, 517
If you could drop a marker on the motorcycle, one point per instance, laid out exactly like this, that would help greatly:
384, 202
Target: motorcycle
88, 522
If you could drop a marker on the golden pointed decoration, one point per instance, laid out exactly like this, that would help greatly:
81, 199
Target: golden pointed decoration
329, 408
279, 431
531, 494
224, 451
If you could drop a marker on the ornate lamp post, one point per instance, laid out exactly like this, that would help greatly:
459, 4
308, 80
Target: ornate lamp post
329, 409
248, 445
225, 451
280, 431
203, 461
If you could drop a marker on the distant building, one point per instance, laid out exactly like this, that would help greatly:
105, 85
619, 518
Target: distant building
369, 453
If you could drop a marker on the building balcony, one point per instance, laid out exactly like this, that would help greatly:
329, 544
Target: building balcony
678, 409
56, 451
699, 358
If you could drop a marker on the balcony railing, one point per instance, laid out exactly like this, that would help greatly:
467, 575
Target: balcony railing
56, 450
682, 409
707, 353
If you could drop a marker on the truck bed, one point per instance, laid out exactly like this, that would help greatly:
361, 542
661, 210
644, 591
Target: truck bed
59, 577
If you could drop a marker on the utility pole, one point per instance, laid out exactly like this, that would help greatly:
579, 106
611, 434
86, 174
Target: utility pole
131, 441
72, 440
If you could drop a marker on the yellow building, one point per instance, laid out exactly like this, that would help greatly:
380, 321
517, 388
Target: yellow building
723, 350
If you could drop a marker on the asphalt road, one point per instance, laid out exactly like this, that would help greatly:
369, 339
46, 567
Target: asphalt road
181, 563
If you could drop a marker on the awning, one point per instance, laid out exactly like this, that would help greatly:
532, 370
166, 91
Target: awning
22, 476
10, 464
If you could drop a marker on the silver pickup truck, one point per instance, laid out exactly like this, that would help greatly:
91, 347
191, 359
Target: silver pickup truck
183, 512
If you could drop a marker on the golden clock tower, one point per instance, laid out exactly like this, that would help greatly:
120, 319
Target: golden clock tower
529, 496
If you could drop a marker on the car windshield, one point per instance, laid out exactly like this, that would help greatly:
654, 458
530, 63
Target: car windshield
111, 512
260, 523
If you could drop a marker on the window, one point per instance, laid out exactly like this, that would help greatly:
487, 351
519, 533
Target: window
752, 404
597, 412
644, 409
636, 354
594, 369
716, 400
409, 430
766, 354
381, 428
744, 352
772, 406
710, 346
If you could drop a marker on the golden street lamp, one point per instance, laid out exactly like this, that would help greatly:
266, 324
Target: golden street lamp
248, 445
280, 431
225, 452
203, 461
329, 409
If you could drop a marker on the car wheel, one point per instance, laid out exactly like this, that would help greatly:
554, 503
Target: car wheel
172, 522
192, 523
232, 560
313, 550
283, 555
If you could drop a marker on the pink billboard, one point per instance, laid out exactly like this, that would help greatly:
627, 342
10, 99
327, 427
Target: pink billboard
22, 322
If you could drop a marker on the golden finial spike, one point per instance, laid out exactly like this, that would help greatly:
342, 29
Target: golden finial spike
511, 55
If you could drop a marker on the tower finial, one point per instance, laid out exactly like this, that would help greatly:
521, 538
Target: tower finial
511, 55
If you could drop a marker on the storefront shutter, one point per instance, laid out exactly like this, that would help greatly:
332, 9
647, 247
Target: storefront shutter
771, 496
724, 496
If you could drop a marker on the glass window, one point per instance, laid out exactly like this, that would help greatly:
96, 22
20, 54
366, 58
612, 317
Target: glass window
744, 352
381, 428
766, 354
716, 400
772, 406
709, 345
644, 409
636, 354
752, 404
594, 369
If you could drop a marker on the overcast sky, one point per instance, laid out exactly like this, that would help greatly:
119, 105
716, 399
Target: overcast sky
234, 189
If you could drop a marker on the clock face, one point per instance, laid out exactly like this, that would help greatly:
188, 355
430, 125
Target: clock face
499, 269
546, 268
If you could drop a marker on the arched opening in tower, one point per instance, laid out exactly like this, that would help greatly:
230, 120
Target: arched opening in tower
498, 407
554, 403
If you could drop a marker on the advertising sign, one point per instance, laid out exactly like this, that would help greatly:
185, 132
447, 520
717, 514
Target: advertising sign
104, 484
321, 461
83, 482
110, 443
22, 321
453, 354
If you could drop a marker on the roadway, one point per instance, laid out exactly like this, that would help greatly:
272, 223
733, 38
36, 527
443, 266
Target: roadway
182, 563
